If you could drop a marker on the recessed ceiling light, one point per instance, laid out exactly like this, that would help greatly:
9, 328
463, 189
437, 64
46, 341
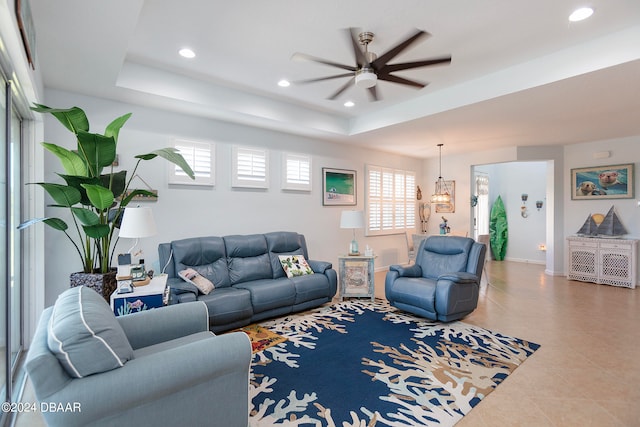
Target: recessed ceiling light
187, 53
580, 14
284, 83
349, 104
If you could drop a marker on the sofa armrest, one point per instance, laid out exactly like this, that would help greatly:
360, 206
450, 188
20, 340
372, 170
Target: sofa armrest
410, 271
459, 277
150, 327
179, 286
319, 266
222, 361
456, 292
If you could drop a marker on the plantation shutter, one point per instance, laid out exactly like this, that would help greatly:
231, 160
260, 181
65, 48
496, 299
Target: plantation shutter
390, 202
200, 156
250, 167
296, 172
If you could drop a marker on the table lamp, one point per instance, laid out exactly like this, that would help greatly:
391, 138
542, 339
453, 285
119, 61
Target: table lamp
353, 220
137, 223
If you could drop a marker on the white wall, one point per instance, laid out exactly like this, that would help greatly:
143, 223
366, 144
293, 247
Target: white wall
510, 181
623, 150
192, 211
187, 211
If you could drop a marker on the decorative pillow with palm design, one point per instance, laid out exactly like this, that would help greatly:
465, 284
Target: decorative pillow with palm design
295, 265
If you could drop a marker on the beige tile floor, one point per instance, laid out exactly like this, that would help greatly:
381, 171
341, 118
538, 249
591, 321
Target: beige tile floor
587, 372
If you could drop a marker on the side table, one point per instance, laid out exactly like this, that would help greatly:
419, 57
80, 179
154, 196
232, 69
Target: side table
355, 276
142, 298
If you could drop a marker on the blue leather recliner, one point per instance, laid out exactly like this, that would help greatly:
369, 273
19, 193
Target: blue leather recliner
444, 282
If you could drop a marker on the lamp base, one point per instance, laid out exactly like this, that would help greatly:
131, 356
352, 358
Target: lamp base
353, 248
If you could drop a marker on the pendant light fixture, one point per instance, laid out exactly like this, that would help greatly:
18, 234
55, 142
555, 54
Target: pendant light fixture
442, 193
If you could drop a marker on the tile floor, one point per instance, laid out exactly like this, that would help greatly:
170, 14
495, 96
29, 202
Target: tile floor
587, 372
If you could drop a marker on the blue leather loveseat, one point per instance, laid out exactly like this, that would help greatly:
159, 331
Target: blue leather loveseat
444, 282
249, 280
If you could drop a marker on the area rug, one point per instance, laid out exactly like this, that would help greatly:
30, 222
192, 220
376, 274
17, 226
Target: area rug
261, 338
361, 363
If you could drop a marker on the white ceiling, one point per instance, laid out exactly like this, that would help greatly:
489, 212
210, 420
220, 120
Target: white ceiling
521, 73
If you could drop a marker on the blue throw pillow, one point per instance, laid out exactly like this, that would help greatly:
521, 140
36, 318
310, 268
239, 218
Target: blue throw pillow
84, 334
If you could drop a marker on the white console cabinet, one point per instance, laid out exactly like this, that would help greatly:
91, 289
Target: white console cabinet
606, 261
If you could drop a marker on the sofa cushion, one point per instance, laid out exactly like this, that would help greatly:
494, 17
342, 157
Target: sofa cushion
269, 294
309, 288
444, 255
295, 265
247, 258
227, 305
206, 255
284, 243
84, 334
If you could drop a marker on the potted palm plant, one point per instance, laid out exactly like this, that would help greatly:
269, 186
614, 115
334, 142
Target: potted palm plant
94, 199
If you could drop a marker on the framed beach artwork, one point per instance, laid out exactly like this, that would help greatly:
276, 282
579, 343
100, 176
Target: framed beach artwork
602, 182
338, 187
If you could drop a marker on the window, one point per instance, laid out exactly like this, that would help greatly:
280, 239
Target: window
201, 157
296, 172
391, 204
250, 167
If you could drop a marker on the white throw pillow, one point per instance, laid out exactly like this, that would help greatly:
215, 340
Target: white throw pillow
203, 284
295, 265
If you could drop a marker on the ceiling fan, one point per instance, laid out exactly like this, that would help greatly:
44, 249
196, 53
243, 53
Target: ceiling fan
369, 68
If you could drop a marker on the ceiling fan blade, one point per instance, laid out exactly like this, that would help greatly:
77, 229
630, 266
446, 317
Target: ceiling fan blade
342, 88
361, 59
320, 79
305, 57
390, 68
402, 80
373, 93
394, 51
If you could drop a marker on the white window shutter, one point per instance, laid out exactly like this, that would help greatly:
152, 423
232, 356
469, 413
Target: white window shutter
250, 167
200, 156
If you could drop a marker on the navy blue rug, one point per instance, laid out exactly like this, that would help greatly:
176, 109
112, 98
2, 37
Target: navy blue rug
363, 363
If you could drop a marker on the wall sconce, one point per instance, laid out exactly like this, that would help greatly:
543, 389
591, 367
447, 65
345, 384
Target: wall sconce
523, 208
539, 204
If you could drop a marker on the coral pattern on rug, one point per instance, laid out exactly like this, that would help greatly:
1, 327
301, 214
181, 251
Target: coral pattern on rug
362, 363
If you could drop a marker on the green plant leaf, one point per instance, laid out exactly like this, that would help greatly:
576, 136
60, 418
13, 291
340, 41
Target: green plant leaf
71, 162
86, 216
62, 194
55, 223
73, 118
171, 154
76, 182
117, 180
113, 129
97, 231
98, 150
101, 198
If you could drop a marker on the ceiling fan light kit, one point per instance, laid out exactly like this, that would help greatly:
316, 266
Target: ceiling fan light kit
366, 78
369, 67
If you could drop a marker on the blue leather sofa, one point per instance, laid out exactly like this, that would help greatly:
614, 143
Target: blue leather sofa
158, 367
444, 282
250, 283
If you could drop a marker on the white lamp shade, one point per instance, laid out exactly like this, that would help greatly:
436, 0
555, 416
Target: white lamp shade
137, 223
352, 219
